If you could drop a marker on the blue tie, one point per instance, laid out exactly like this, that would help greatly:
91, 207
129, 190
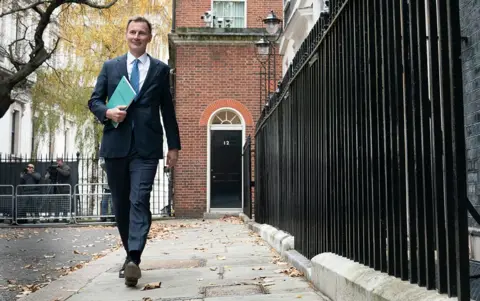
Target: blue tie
135, 77
135, 81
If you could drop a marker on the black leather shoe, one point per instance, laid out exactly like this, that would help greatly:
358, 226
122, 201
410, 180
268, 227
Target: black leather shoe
121, 273
132, 274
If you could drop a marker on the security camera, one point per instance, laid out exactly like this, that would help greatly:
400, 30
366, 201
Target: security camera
326, 9
207, 18
220, 21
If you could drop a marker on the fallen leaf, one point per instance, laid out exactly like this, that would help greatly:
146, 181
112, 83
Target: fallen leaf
292, 272
296, 273
151, 286
28, 266
221, 258
147, 299
76, 252
97, 256
213, 269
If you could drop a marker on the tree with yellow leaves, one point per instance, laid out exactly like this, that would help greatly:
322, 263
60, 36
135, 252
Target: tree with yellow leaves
89, 37
32, 44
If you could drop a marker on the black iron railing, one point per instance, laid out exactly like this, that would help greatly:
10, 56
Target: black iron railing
362, 152
85, 173
247, 178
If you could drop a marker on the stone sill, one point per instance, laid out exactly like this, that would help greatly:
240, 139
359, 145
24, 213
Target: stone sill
215, 35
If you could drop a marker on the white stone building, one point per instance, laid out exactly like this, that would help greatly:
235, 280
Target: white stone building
16, 127
299, 17
16, 130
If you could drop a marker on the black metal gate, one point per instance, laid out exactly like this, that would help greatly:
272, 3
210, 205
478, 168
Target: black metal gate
247, 178
362, 152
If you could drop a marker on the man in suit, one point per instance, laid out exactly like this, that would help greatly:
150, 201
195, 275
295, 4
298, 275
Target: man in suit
133, 149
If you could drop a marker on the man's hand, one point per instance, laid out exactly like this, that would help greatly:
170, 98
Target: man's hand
172, 157
117, 114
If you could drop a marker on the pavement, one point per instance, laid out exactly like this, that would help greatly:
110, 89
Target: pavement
475, 281
211, 260
31, 257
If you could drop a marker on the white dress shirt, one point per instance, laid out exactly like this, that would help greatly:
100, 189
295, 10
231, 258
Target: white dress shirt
143, 65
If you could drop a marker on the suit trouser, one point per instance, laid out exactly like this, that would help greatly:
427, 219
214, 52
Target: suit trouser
130, 180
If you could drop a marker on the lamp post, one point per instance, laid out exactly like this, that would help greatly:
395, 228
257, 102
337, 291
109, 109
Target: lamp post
266, 52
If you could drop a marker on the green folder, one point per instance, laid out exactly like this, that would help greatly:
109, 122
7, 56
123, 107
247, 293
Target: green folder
122, 96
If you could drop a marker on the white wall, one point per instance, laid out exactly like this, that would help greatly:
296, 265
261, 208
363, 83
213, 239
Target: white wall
64, 143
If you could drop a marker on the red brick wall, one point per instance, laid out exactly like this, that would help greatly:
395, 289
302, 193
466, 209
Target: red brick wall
188, 12
257, 11
205, 74
211, 74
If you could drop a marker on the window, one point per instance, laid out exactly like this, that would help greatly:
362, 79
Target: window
231, 13
3, 53
226, 117
14, 146
20, 34
288, 11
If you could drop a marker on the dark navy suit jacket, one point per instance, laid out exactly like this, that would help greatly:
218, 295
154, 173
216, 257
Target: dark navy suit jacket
143, 115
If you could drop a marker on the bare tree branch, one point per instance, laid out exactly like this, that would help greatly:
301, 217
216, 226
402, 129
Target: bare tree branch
17, 64
16, 10
17, 60
57, 42
57, 74
94, 5
38, 54
39, 11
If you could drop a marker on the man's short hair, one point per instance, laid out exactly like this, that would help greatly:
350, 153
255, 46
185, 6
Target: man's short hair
142, 20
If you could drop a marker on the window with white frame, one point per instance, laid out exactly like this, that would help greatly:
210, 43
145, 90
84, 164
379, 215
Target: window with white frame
229, 13
3, 53
15, 133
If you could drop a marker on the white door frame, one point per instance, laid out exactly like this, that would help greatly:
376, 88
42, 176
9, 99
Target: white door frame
222, 127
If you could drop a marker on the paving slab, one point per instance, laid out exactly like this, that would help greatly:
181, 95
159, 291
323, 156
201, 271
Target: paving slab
213, 261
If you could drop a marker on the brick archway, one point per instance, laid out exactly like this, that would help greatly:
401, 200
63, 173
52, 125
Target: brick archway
226, 103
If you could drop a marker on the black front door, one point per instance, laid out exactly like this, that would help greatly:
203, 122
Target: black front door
226, 169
